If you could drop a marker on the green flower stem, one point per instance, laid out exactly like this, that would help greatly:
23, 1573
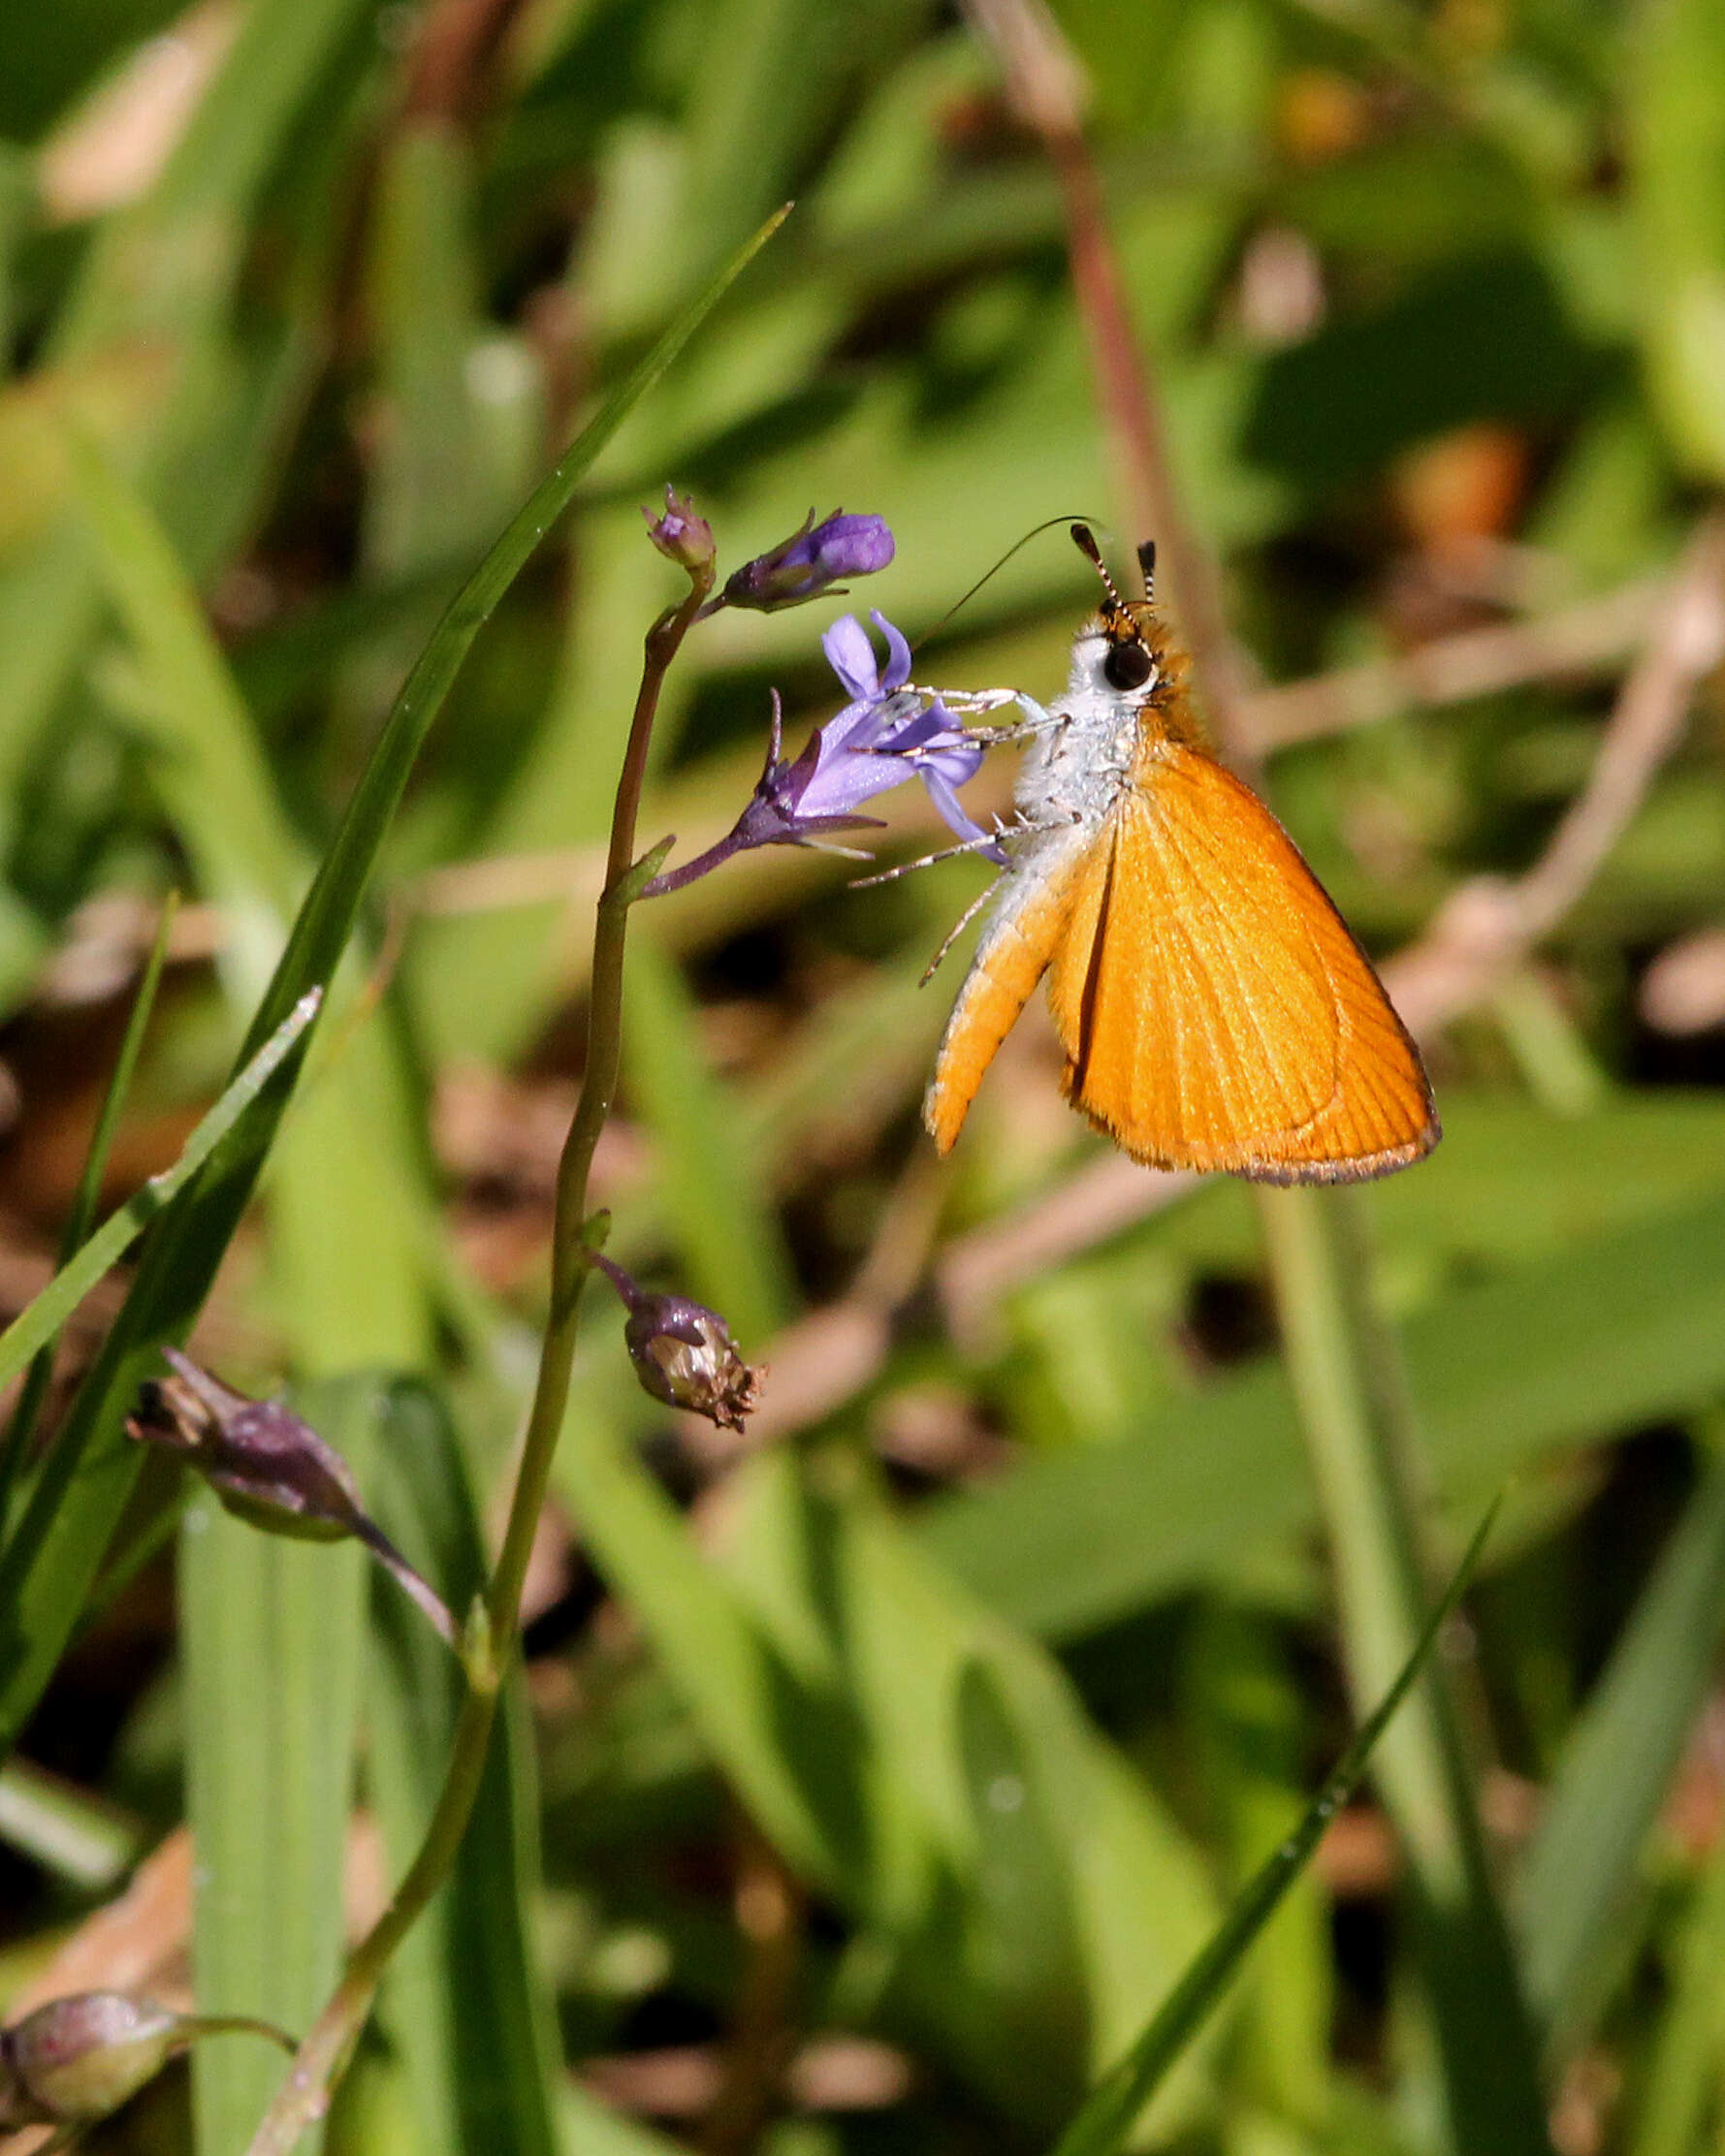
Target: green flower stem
1355, 1419
495, 1629
571, 1258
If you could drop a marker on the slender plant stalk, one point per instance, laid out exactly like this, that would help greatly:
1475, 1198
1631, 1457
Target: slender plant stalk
495, 1629
1344, 1367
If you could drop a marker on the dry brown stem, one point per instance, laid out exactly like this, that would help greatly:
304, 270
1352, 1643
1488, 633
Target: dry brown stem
770, 1915
1583, 640
1044, 86
454, 54
1489, 923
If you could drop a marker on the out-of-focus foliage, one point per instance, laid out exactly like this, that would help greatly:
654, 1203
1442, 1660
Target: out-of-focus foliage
873, 1778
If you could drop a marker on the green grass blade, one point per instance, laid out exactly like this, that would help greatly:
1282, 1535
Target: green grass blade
1251, 1727
451, 463
1615, 1769
348, 1203
1674, 111
463, 2003
823, 1660
209, 764
1101, 2126
160, 277
52, 1560
270, 1632
80, 1839
1684, 2074
22, 1426
167, 263
327, 915
1024, 1940
43, 1317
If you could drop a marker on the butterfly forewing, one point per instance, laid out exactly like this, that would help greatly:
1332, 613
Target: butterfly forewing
1215, 1011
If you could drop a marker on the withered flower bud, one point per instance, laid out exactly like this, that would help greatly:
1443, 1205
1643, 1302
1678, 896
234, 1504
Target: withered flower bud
684, 1354
80, 2058
269, 1468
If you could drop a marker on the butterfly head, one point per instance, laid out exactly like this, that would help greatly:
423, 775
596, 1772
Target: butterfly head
1127, 650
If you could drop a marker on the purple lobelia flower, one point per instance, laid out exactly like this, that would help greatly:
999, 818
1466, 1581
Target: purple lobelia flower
809, 562
885, 736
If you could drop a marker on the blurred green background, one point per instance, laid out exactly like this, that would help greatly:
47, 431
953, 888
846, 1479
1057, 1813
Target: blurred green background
873, 1778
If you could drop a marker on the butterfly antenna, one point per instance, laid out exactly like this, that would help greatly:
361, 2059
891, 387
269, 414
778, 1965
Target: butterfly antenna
1147, 569
1034, 532
1084, 539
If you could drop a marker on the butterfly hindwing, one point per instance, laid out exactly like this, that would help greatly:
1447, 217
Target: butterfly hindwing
1023, 929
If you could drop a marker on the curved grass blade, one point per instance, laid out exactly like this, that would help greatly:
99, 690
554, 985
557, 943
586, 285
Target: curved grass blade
49, 1562
41, 1319
1111, 2108
1580, 1874
23, 1427
78, 1838
327, 916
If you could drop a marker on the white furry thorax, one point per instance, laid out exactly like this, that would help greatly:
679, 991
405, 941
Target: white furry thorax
1077, 763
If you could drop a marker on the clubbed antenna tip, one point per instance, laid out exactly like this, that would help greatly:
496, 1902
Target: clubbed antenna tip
1084, 539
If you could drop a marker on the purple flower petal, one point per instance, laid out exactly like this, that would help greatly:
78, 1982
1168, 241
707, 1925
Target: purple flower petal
952, 814
810, 560
851, 657
898, 651
853, 545
847, 779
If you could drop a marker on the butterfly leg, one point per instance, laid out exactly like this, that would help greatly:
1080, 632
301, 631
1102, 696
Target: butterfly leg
964, 700
928, 860
961, 700
953, 934
1020, 827
844, 853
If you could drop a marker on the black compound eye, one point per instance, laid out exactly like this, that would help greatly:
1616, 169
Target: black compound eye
1127, 666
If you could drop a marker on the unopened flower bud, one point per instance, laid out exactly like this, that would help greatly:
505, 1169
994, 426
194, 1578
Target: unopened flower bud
80, 2058
268, 1468
684, 1354
683, 537
811, 561
264, 1462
